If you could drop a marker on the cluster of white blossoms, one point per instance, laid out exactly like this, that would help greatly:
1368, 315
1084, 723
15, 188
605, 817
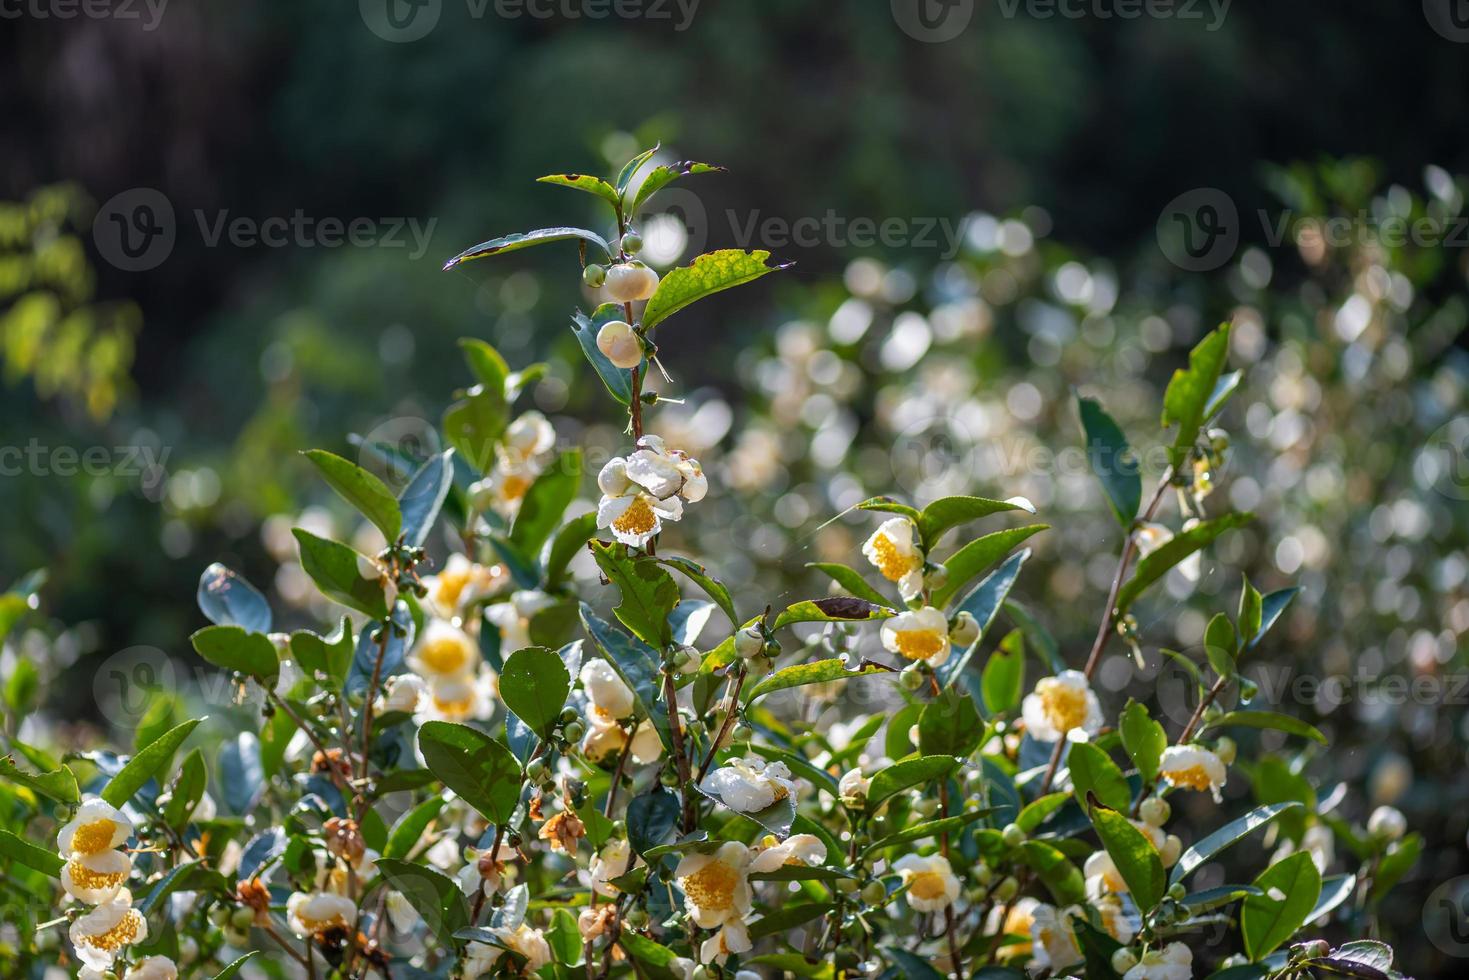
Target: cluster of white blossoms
610, 706
450, 679
642, 490
480, 958
330, 904
96, 873
1062, 707
519, 458
893, 550
750, 785
923, 635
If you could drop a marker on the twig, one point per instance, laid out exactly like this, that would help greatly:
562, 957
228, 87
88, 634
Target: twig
670, 694
728, 723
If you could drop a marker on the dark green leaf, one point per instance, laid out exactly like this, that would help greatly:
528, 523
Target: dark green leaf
227, 599
188, 789
595, 186
423, 497
1094, 772
1271, 606
1268, 719
231, 648
978, 555
1219, 645
948, 512
568, 541
1144, 740
983, 603
59, 784
1055, 870
928, 828
618, 380
907, 774
1003, 681
1265, 921
511, 243
851, 580
436, 897
546, 500
1250, 612
649, 593
482, 771
534, 685
1112, 460
950, 725
24, 852
149, 762
361, 489
233, 970
836, 609
797, 675
1179, 547
1134, 855
1231, 832
652, 819
663, 175
1191, 391
700, 576
335, 570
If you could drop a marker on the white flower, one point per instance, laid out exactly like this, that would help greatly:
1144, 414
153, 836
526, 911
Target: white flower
637, 517
1102, 876
682, 967
98, 826
799, 849
312, 913
1053, 938
102, 933
920, 634
153, 968
505, 487
931, 883
401, 912
1387, 823
444, 652
1017, 921
1059, 705
620, 344
645, 489
614, 860
646, 745
733, 938
95, 878
1150, 537
716, 886
893, 550
529, 943
462, 583
485, 872
611, 698
628, 282
528, 437
401, 693
1119, 923
513, 618
853, 787
1194, 767
750, 785
462, 698
1173, 962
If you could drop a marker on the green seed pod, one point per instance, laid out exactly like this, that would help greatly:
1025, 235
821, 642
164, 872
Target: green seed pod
535, 769
594, 275
1123, 960
574, 731
632, 243
874, 893
1006, 889
242, 919
1013, 835
911, 678
848, 886
1177, 892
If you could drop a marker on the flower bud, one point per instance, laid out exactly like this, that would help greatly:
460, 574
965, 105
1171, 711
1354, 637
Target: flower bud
911, 678
1225, 750
628, 282
632, 243
935, 576
853, 787
1171, 850
574, 731
617, 340
1155, 811
873, 893
749, 642
594, 275
688, 660
848, 886
1013, 835
1387, 823
1006, 889
964, 630
1123, 959
1177, 891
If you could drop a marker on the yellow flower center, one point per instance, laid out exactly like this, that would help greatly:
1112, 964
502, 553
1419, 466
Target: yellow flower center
637, 519
919, 644
1194, 777
892, 562
445, 656
712, 887
84, 877
451, 586
1064, 705
514, 487
123, 934
927, 885
92, 838
459, 708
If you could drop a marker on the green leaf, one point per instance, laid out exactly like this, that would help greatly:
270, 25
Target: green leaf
950, 725
568, 541
888, 505
423, 497
649, 593
1042, 643
645, 950
1398, 861
776, 818
1271, 607
474, 424
1267, 921
1062, 878
149, 762
1179, 547
1135, 856
534, 685
436, 897
512, 243
1144, 739
700, 576
564, 938
789, 917
978, 555
485, 363
361, 489
1268, 719
1219, 645
24, 852
1222, 838
1250, 611
1334, 890
797, 675
188, 789
652, 819
710, 273
665, 174
1190, 392
1002, 684
836, 609
193, 876
983, 604
410, 827
1093, 772
546, 500
231, 648
905, 775
928, 828
481, 770
1039, 810
1112, 460
59, 784
630, 169
618, 380
335, 570
595, 186
227, 599
851, 580
947, 512
331, 655
233, 970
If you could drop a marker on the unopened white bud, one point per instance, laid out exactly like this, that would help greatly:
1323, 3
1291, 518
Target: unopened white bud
622, 347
